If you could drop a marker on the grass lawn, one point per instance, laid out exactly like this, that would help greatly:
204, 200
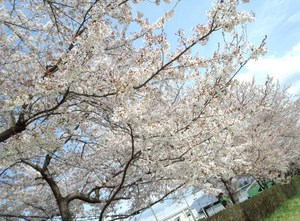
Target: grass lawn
289, 211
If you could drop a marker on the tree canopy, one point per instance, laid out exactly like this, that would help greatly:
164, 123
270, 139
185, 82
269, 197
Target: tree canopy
94, 123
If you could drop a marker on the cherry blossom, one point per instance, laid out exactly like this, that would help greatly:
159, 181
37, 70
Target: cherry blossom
91, 120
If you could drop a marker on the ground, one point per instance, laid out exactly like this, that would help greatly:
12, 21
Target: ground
289, 211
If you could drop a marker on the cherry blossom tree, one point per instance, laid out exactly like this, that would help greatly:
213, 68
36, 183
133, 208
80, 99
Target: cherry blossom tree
263, 142
272, 134
89, 118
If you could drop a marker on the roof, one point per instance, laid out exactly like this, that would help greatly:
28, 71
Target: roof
254, 190
204, 201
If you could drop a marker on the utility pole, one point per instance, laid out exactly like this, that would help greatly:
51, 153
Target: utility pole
153, 213
194, 219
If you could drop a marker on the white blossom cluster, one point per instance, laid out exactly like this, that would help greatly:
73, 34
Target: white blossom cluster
89, 118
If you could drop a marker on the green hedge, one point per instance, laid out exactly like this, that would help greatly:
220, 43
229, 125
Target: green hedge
260, 206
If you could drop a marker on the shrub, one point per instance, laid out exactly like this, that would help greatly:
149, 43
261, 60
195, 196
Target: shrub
261, 205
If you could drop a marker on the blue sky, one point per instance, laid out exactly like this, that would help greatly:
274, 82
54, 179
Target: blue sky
278, 19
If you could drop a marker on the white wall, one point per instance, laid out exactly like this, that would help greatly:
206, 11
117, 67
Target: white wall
184, 215
214, 209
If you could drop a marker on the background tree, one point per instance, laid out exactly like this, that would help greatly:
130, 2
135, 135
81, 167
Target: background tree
264, 133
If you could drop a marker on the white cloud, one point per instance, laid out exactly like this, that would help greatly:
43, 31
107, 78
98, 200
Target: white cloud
285, 68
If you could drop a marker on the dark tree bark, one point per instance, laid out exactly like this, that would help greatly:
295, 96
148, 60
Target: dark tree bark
62, 202
261, 184
230, 191
64, 210
23, 122
18, 128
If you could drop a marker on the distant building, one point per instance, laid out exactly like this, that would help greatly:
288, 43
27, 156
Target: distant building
203, 206
247, 191
207, 206
186, 214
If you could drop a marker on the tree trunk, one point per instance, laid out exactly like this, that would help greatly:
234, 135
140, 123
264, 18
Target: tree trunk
62, 202
228, 187
262, 186
64, 210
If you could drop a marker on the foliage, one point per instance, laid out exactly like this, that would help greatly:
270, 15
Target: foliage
262, 205
288, 211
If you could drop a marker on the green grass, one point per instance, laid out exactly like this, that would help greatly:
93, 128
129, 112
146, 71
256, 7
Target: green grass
288, 211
